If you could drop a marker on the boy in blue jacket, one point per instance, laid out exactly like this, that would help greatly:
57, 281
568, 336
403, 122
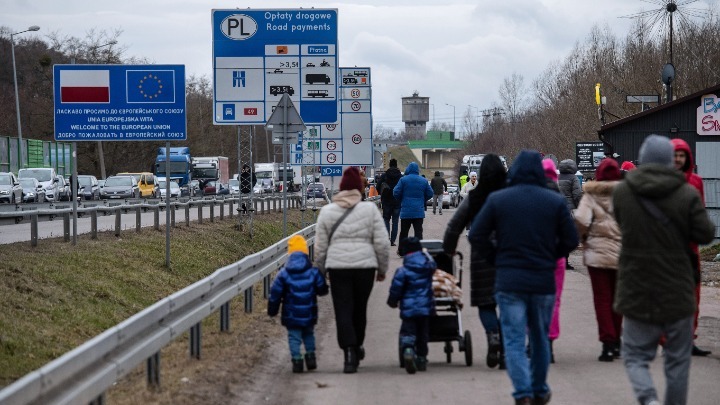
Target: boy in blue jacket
297, 286
411, 288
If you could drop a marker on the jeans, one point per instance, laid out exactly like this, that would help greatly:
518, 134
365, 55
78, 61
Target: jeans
415, 333
489, 319
639, 347
437, 201
299, 336
522, 313
391, 212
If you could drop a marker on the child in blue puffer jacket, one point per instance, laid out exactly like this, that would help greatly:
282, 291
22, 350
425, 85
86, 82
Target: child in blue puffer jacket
411, 288
297, 287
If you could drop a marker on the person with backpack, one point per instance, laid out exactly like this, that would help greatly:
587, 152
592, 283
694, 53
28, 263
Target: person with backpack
390, 206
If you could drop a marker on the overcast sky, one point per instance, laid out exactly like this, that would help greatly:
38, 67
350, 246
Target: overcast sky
456, 53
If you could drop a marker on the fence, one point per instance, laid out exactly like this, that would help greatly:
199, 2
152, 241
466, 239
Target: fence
85, 373
37, 153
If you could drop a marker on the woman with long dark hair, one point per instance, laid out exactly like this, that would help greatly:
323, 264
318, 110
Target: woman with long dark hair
482, 270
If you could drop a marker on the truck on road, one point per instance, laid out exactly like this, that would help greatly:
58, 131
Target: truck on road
209, 168
180, 163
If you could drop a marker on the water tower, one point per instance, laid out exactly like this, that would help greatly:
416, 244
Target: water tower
415, 115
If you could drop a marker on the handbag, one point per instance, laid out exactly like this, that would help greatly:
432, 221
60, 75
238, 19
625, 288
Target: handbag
657, 213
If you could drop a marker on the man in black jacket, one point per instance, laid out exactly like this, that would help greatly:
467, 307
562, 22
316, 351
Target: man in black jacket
439, 186
390, 206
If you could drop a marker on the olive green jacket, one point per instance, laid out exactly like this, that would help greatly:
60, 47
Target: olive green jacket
655, 278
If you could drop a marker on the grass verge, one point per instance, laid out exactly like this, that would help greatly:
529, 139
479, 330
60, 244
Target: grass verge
57, 296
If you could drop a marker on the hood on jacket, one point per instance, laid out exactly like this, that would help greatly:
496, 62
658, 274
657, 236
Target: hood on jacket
527, 169
419, 261
297, 262
679, 144
347, 198
412, 168
654, 180
568, 166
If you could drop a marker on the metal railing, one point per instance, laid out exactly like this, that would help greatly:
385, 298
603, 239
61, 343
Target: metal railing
85, 373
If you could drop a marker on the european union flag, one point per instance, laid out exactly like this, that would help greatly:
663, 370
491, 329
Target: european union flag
150, 86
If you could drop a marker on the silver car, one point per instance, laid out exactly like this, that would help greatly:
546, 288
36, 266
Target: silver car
33, 191
120, 187
10, 189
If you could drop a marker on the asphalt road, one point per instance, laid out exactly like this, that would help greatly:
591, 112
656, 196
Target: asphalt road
576, 378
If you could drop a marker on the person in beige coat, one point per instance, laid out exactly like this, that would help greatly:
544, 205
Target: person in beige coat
354, 256
601, 237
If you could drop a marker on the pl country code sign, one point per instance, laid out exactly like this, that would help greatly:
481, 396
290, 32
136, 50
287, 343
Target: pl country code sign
119, 102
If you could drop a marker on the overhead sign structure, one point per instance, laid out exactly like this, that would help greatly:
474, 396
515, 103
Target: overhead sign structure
119, 102
588, 155
348, 141
259, 55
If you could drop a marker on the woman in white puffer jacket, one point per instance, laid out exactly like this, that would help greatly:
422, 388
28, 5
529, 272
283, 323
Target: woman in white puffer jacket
354, 257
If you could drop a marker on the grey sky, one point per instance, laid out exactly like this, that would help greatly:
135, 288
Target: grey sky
455, 53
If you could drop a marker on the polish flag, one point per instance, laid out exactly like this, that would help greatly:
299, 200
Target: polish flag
84, 86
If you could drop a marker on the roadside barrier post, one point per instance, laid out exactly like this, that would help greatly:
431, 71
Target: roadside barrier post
138, 219
230, 209
172, 215
225, 317
153, 370
200, 212
187, 214
156, 217
222, 210
249, 299
195, 336
118, 220
93, 225
34, 230
212, 211
66, 227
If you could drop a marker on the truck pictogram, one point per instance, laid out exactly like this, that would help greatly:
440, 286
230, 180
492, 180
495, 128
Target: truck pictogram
275, 90
312, 78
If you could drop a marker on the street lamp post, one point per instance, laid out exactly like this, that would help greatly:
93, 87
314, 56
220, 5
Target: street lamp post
453, 115
17, 97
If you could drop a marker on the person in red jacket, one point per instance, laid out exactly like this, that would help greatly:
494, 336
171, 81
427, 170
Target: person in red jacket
685, 163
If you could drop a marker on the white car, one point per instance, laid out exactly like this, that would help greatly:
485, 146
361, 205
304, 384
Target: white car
174, 189
234, 187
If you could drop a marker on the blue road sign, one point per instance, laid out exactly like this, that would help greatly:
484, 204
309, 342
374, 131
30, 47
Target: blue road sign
260, 54
119, 102
331, 171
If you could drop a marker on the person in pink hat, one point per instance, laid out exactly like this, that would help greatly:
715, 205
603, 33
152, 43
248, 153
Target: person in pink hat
551, 174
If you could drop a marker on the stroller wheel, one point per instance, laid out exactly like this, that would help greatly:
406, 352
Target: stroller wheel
468, 349
448, 352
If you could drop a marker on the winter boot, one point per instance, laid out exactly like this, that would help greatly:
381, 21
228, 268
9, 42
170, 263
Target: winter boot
493, 354
310, 361
360, 354
409, 360
350, 365
421, 363
616, 349
297, 365
607, 353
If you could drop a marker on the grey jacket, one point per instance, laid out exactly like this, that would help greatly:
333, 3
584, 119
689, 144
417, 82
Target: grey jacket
570, 184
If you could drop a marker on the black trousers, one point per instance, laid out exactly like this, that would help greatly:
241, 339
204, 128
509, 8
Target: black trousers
350, 290
405, 223
415, 333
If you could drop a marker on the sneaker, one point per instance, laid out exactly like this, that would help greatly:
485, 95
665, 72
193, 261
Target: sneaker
440, 212
297, 365
653, 402
524, 401
421, 363
360, 354
392, 243
607, 353
696, 351
409, 360
310, 361
541, 399
493, 355
616, 350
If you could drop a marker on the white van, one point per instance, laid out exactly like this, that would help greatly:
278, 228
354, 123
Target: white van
47, 177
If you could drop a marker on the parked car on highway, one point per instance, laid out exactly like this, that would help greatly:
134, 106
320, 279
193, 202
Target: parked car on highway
101, 184
215, 188
264, 186
46, 176
64, 193
174, 188
146, 183
234, 187
32, 190
10, 189
120, 187
316, 190
88, 187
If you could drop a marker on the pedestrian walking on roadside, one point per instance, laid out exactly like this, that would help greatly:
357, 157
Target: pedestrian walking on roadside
600, 236
296, 288
351, 246
439, 186
551, 178
412, 191
469, 186
482, 270
532, 228
390, 206
683, 160
412, 291
659, 214
571, 188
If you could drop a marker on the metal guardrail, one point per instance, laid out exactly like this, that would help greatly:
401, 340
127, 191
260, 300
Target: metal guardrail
85, 373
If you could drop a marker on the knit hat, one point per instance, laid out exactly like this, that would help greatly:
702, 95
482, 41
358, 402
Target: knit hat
627, 166
393, 162
657, 149
437, 173
608, 170
351, 180
473, 174
412, 244
550, 169
297, 244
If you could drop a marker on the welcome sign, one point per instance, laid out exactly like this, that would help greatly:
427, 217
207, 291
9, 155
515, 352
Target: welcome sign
708, 115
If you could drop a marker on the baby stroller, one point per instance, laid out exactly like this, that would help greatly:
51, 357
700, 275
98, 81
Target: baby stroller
446, 324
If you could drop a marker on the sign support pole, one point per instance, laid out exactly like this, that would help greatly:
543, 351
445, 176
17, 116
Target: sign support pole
167, 205
73, 187
284, 169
